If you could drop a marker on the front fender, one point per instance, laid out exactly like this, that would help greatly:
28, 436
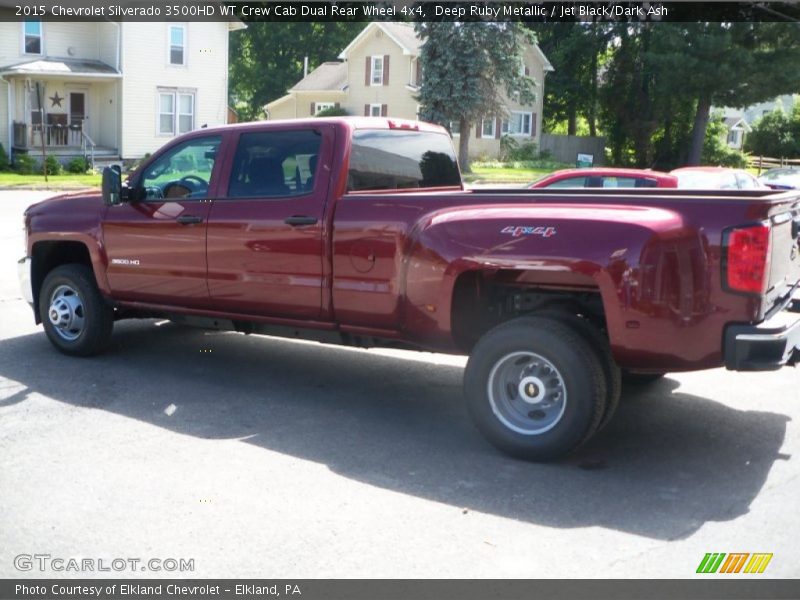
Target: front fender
69, 219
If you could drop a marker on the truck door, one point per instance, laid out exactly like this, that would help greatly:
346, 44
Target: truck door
156, 245
265, 231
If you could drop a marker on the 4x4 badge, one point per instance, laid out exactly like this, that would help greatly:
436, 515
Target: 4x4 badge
518, 230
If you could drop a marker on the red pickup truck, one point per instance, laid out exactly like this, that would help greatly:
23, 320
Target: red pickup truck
359, 231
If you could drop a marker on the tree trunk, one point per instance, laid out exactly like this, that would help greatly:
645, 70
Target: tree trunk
572, 121
699, 131
593, 73
465, 127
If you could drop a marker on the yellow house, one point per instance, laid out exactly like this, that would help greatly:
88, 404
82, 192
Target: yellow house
379, 75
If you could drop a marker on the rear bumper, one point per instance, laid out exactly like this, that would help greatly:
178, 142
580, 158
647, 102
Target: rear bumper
767, 346
24, 274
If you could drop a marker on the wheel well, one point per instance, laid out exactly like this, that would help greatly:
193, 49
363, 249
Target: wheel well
49, 255
485, 299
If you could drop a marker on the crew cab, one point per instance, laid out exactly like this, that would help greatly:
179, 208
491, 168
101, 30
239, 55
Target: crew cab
359, 231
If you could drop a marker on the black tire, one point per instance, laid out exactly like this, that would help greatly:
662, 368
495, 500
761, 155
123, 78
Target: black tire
631, 377
572, 370
600, 345
82, 321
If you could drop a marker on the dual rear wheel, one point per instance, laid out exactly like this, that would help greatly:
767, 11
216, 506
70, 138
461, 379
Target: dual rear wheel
539, 387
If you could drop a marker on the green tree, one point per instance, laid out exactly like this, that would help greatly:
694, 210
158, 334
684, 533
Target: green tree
735, 64
469, 69
266, 59
572, 88
715, 148
660, 81
773, 135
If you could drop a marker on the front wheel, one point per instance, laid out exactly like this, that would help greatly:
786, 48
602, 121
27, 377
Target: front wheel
76, 319
535, 388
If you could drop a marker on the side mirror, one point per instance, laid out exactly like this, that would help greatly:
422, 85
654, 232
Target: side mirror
112, 185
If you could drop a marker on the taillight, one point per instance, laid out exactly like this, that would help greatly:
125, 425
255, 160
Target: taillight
747, 258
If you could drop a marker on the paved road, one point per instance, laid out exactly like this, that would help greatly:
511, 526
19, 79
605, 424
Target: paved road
274, 458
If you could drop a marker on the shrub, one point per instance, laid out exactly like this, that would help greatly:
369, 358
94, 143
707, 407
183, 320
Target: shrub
53, 166
78, 165
512, 150
715, 149
4, 164
25, 164
333, 111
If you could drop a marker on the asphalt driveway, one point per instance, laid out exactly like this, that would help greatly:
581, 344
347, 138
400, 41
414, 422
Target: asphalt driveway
256, 456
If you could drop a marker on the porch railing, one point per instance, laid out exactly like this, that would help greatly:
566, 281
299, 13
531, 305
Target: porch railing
31, 136
88, 145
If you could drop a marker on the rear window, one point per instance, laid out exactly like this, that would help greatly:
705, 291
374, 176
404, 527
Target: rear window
401, 159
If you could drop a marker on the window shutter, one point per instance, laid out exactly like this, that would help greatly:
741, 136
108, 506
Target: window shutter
366, 110
385, 69
478, 129
419, 72
498, 126
527, 72
533, 124
311, 110
384, 110
367, 69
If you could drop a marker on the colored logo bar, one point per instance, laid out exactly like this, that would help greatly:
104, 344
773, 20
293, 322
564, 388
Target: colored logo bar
734, 562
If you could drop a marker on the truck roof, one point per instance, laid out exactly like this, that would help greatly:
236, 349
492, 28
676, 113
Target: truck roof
351, 122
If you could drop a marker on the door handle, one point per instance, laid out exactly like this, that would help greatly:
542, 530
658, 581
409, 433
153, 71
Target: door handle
297, 220
189, 219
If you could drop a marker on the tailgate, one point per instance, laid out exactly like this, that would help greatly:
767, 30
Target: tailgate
784, 272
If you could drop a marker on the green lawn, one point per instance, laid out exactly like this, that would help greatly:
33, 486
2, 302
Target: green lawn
504, 175
10, 181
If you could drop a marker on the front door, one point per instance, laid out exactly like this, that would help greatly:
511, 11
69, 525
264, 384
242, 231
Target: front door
265, 231
156, 246
77, 109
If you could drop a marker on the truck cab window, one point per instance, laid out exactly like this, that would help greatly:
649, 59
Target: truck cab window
275, 164
397, 159
183, 172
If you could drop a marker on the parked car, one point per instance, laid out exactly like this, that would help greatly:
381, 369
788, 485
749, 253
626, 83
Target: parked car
359, 232
601, 177
782, 178
716, 178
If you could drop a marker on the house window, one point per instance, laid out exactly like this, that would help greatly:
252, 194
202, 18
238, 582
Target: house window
32, 32
375, 110
177, 45
455, 127
175, 112
518, 123
376, 70
185, 113
320, 106
487, 128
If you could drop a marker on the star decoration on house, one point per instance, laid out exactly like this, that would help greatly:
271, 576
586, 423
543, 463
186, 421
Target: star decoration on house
56, 100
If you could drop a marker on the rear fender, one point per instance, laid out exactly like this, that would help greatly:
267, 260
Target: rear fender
581, 248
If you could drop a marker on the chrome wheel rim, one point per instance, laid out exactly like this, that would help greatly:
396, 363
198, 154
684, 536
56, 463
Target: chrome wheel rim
527, 393
66, 313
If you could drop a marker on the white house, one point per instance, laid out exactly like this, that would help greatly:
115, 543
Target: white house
118, 89
379, 75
